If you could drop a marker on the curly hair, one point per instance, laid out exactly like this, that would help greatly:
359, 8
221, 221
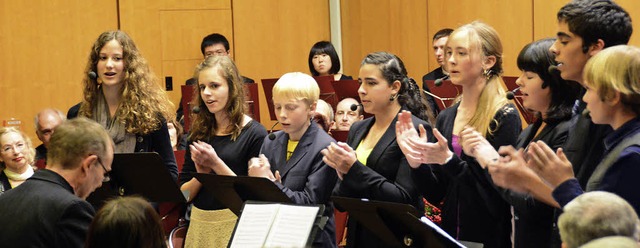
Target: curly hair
144, 104
409, 96
204, 124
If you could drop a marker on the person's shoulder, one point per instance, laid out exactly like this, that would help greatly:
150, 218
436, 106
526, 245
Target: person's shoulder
73, 111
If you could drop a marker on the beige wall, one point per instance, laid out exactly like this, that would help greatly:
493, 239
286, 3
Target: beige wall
44, 47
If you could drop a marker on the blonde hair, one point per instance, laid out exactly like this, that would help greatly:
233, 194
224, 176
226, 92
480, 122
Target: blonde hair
484, 40
204, 125
594, 215
144, 102
298, 86
616, 69
30, 152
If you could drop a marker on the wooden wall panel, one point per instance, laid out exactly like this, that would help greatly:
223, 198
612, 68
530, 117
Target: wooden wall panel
512, 20
546, 22
169, 33
45, 46
385, 25
274, 37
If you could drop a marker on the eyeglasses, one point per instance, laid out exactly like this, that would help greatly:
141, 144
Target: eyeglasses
219, 52
107, 177
18, 147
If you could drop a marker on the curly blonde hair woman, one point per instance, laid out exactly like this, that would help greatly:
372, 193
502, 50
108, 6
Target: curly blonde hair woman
122, 94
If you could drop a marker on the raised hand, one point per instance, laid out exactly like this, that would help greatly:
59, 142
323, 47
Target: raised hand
260, 167
339, 156
476, 145
554, 168
511, 171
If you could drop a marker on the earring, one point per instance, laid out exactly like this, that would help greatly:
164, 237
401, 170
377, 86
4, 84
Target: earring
393, 97
487, 73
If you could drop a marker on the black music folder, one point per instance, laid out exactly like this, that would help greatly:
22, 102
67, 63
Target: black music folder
142, 174
233, 191
398, 225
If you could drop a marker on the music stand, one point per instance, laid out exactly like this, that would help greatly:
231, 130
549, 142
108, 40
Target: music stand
445, 94
233, 191
346, 89
511, 84
340, 135
252, 100
395, 224
141, 174
187, 96
327, 92
267, 86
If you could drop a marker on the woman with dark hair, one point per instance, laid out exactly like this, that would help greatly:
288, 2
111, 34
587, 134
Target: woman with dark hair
221, 141
323, 61
126, 222
370, 164
122, 94
551, 98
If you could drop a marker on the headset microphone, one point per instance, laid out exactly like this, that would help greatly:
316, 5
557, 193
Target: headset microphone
512, 94
354, 107
92, 75
272, 136
438, 81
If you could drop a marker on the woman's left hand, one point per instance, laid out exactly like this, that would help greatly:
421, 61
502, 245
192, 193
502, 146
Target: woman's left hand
339, 156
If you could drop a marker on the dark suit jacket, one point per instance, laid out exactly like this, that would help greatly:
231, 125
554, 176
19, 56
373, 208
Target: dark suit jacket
156, 141
534, 219
386, 177
44, 212
4, 182
433, 75
306, 179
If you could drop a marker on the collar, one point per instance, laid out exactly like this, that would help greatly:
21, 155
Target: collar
618, 135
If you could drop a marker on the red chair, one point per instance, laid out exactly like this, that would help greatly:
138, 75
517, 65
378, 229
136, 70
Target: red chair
445, 94
510, 82
40, 164
178, 235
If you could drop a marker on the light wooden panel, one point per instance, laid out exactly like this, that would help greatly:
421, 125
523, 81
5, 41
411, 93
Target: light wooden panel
274, 37
512, 20
546, 21
169, 33
45, 46
385, 25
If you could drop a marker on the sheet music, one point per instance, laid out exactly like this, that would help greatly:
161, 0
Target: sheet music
439, 230
254, 224
292, 226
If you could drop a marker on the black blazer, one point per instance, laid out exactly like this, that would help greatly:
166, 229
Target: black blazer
306, 179
44, 212
156, 141
386, 177
534, 219
4, 182
473, 208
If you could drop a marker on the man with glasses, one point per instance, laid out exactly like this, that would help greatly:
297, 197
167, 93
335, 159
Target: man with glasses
49, 209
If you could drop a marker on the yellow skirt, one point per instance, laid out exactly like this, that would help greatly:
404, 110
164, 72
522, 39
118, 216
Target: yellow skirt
210, 228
